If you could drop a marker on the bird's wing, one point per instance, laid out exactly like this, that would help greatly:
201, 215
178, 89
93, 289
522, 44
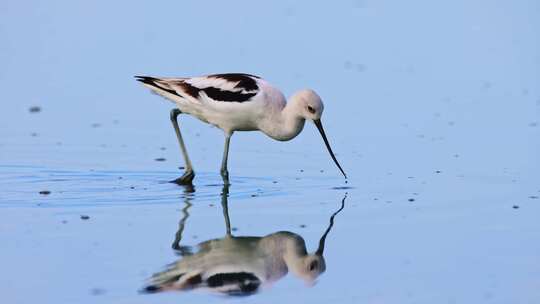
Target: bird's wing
233, 87
172, 279
234, 283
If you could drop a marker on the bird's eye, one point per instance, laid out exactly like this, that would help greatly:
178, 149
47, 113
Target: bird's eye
311, 109
313, 265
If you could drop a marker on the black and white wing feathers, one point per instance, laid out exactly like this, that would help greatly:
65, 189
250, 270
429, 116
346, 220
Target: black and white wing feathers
232, 87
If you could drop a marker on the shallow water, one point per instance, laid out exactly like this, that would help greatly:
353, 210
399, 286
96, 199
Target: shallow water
433, 111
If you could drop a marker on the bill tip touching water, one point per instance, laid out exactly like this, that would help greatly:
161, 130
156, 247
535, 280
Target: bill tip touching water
238, 102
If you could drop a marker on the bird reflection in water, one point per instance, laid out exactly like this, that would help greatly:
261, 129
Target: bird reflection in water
240, 265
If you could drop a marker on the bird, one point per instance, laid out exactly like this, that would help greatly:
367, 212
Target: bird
237, 102
241, 265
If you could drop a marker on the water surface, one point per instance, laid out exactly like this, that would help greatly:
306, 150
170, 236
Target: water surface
433, 110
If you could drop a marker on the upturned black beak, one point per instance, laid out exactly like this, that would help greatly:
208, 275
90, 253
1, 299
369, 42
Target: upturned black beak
321, 130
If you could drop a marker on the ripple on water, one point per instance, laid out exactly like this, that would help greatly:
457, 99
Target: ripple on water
21, 187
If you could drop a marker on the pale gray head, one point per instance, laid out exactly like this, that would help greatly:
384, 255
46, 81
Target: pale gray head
310, 268
310, 106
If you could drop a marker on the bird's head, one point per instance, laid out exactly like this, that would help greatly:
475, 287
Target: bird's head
308, 267
310, 106
314, 266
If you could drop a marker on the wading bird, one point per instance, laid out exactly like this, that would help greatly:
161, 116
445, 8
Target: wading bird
238, 102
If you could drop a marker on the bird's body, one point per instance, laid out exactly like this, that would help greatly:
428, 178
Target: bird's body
257, 105
238, 102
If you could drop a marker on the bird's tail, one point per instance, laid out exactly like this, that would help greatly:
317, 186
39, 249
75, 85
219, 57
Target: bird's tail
152, 82
146, 79
159, 86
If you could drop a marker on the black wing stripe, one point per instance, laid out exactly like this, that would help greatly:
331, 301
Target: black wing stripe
228, 96
215, 93
189, 89
242, 283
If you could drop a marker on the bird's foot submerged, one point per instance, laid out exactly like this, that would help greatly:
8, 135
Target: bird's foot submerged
185, 179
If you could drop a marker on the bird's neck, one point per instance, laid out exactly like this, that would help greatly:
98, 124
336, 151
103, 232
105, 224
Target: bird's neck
290, 247
294, 254
285, 123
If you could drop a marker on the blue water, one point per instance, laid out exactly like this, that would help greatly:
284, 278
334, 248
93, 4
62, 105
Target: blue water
432, 108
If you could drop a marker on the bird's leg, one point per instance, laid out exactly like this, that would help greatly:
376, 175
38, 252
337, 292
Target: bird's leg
224, 171
176, 246
225, 206
182, 250
188, 175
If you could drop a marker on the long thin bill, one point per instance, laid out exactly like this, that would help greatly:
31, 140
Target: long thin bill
321, 130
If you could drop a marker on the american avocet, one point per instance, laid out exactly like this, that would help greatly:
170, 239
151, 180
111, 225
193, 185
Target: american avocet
241, 265
238, 102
